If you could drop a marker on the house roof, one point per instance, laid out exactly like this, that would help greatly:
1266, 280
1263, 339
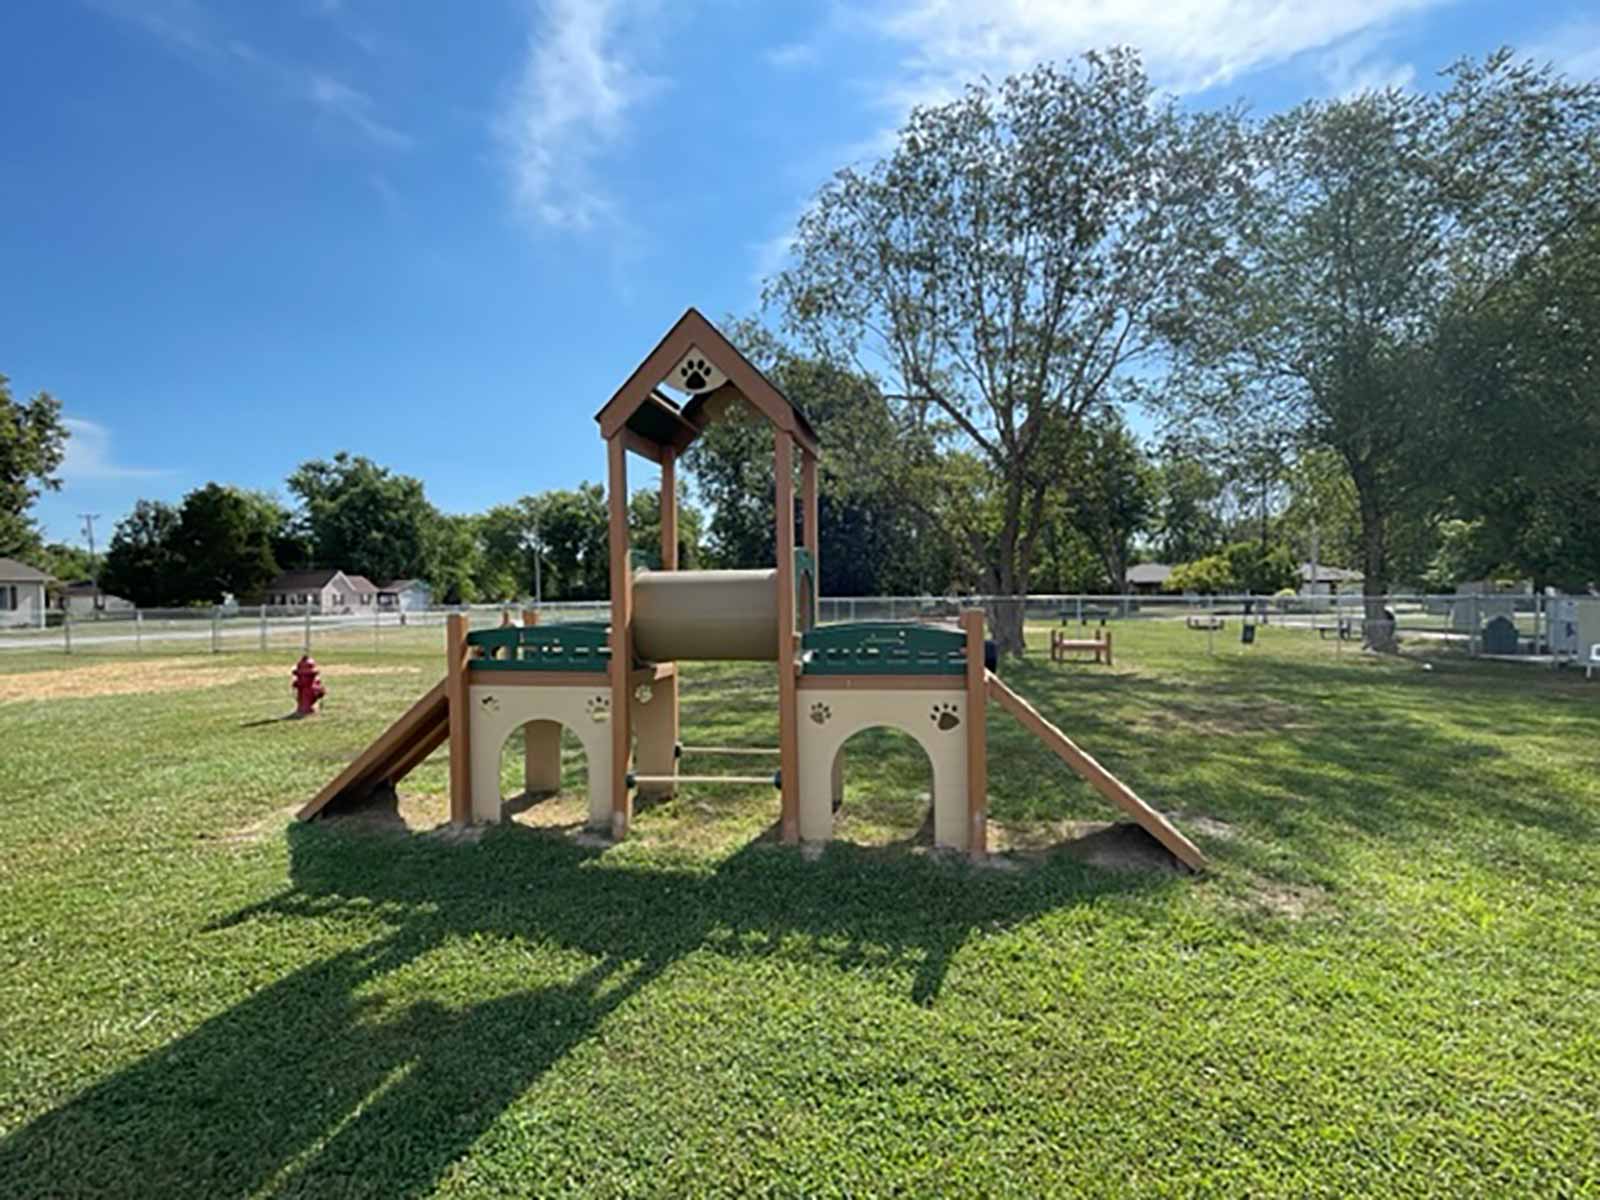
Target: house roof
1329, 574
1149, 573
402, 585
12, 571
361, 583
302, 581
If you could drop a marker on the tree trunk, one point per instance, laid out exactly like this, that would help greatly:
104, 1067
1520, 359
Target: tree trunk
1005, 611
1378, 629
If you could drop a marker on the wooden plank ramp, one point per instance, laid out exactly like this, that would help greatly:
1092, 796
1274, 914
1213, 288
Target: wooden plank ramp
423, 728
1102, 780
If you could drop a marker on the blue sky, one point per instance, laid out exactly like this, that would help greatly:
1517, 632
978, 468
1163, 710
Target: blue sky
235, 235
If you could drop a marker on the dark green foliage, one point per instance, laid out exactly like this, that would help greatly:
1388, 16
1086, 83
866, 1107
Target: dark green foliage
362, 517
224, 541
142, 562
32, 443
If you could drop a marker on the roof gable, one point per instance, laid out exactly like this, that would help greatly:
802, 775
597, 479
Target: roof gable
695, 358
13, 571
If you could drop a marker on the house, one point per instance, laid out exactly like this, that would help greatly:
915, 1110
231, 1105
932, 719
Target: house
1327, 581
1146, 579
405, 595
22, 600
322, 591
84, 598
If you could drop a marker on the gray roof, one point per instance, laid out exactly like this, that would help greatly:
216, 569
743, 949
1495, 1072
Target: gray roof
1149, 573
402, 585
13, 571
361, 583
1329, 574
302, 581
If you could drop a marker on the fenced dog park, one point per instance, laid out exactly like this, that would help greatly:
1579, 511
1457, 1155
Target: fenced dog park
1383, 982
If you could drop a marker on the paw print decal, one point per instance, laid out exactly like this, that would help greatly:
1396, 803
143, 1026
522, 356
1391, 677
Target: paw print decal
490, 704
820, 713
946, 716
696, 374
599, 708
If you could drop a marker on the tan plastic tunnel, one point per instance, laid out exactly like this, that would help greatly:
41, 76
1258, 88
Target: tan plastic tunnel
706, 615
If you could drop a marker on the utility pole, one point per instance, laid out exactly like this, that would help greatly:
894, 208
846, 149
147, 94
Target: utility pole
94, 567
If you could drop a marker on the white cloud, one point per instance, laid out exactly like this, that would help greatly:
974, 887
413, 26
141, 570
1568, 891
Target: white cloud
88, 457
1356, 65
1573, 48
793, 54
1188, 45
569, 107
355, 107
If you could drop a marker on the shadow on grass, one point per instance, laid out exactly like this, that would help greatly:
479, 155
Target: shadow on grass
314, 1086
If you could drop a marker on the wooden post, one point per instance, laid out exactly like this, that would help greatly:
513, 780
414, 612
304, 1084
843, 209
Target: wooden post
977, 736
812, 529
621, 637
669, 509
460, 719
788, 692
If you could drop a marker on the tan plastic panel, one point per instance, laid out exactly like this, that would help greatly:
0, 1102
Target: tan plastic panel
706, 615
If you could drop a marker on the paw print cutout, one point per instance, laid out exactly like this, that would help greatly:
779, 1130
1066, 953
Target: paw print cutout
820, 713
696, 374
490, 704
946, 716
599, 708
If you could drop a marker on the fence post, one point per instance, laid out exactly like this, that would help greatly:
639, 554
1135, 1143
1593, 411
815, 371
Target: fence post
307, 647
376, 623
66, 629
262, 622
216, 629
138, 630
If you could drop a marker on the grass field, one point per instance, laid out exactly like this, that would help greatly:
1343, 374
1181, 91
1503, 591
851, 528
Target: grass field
1388, 985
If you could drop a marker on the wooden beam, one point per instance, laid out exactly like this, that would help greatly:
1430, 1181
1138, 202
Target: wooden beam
669, 509
1102, 780
977, 736
882, 683
811, 528
788, 694
377, 761
492, 678
621, 636
456, 651
643, 447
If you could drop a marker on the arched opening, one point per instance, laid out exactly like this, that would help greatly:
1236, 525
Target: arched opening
883, 789
544, 776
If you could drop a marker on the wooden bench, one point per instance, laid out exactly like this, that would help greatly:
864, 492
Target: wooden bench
1204, 621
1098, 648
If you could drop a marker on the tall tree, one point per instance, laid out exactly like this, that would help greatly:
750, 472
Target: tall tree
644, 527
142, 561
1006, 265
1109, 493
33, 441
1188, 522
573, 533
1371, 217
223, 542
361, 517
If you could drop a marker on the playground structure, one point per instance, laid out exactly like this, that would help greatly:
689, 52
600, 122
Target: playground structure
1096, 648
616, 684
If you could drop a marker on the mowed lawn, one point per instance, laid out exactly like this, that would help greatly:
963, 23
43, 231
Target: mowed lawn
1387, 985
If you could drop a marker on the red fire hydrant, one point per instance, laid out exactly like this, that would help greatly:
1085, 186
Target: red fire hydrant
308, 688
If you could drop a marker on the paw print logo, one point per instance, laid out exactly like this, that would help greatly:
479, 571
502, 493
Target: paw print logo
820, 713
946, 716
490, 704
599, 708
696, 374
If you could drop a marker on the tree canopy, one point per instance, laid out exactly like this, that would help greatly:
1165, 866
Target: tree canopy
33, 441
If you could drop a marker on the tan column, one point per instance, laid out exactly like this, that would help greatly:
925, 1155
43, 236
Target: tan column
669, 509
456, 697
621, 636
977, 736
542, 757
788, 692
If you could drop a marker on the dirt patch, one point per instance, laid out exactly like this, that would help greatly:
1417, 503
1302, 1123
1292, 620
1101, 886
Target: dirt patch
1111, 846
1224, 718
146, 677
1289, 902
1210, 827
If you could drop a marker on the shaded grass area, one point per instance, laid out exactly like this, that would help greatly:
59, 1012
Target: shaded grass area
1385, 986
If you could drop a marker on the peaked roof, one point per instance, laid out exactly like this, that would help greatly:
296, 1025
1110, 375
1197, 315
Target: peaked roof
13, 571
291, 581
652, 421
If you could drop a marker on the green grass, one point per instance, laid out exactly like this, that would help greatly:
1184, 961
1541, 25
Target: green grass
1388, 985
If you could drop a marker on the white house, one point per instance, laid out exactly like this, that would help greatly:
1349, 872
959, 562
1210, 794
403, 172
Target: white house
405, 595
1147, 579
83, 599
22, 600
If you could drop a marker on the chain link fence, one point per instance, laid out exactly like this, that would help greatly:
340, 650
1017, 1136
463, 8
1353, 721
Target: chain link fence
1477, 624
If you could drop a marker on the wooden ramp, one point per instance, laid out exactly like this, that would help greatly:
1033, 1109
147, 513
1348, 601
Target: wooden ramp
1102, 780
397, 751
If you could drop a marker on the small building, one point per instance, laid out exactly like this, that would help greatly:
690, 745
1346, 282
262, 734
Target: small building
1146, 579
405, 595
1325, 580
322, 591
83, 599
22, 595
